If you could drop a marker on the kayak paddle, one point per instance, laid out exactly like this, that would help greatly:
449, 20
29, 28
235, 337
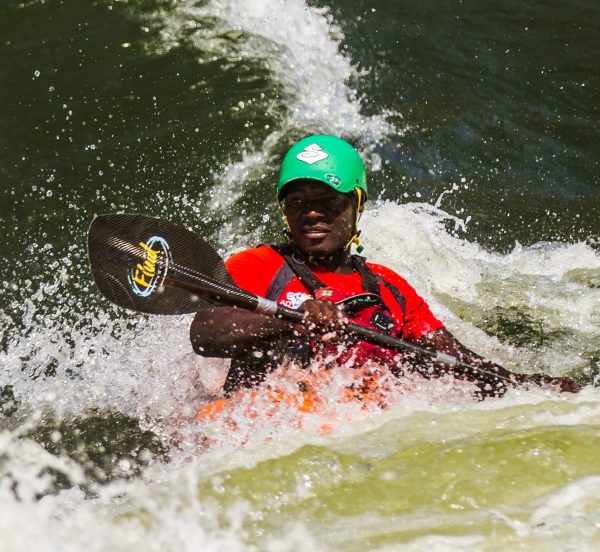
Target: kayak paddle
151, 265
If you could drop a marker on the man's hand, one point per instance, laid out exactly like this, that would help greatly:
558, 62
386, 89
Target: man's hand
564, 384
323, 319
493, 380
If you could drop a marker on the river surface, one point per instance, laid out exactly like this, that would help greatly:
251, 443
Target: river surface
479, 123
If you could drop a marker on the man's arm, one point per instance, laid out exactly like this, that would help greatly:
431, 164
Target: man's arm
494, 380
227, 332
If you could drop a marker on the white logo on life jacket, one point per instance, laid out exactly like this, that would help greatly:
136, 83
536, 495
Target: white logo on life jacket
294, 300
311, 154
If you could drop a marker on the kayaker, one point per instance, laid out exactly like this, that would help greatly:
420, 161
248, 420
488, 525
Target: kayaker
322, 190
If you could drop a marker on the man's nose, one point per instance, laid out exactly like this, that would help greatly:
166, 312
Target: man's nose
313, 210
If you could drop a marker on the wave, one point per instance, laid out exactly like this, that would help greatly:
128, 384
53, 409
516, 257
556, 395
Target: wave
303, 49
536, 308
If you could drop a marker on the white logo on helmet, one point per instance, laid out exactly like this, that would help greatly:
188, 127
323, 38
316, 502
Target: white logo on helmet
333, 180
311, 154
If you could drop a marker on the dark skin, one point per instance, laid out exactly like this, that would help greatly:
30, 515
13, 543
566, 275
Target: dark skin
322, 221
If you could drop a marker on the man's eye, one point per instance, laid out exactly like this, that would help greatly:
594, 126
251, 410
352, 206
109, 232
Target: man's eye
337, 203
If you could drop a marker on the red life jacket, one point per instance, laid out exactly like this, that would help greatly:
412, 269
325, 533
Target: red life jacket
366, 309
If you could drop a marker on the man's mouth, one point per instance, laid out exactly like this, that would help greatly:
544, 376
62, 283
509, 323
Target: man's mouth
315, 232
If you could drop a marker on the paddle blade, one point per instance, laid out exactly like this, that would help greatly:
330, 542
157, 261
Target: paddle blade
151, 265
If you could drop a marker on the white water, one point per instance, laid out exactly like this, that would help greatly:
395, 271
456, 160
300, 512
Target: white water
554, 282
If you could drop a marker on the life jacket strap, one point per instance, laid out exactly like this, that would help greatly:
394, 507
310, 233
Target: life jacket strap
298, 267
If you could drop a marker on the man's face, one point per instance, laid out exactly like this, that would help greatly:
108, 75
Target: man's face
321, 219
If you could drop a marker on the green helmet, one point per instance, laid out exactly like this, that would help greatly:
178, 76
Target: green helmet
325, 158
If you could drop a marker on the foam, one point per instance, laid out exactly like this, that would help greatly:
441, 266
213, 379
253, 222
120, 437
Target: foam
449, 271
129, 368
179, 522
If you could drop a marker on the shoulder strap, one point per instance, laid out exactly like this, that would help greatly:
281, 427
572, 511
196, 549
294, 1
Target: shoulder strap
299, 268
279, 282
369, 280
396, 293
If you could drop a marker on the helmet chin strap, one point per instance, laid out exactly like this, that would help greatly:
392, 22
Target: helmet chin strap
287, 231
354, 240
356, 233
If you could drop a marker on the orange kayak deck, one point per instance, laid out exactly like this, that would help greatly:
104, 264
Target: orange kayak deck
266, 401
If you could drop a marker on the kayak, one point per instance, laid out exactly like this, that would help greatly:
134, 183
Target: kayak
303, 402
313, 394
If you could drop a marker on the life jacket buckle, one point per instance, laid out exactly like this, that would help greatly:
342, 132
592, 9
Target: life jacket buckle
382, 322
355, 303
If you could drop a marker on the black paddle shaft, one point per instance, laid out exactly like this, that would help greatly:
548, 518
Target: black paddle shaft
151, 265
